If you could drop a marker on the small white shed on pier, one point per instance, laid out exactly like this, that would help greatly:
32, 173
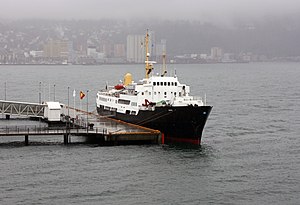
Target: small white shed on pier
52, 111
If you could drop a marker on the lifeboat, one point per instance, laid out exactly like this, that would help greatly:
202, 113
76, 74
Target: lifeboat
119, 87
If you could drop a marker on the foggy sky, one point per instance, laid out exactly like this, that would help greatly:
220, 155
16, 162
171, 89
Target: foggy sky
205, 10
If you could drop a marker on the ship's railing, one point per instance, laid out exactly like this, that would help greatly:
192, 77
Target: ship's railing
195, 98
150, 108
198, 98
109, 94
104, 92
117, 94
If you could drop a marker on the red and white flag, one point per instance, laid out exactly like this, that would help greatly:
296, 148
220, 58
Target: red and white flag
82, 95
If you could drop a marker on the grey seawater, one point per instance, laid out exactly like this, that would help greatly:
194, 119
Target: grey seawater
250, 151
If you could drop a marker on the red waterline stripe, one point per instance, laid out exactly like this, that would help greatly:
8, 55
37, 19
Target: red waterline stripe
184, 140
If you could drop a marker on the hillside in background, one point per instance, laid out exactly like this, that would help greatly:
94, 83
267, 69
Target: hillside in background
271, 37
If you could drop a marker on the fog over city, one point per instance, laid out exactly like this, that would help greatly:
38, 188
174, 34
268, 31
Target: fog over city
240, 30
215, 11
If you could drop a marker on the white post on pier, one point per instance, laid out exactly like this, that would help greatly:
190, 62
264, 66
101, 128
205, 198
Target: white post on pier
5, 91
49, 92
54, 93
74, 95
68, 101
87, 110
40, 92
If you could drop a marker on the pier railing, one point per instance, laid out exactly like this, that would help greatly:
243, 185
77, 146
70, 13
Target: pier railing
45, 130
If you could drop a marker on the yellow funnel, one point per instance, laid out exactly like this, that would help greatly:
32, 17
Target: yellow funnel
127, 79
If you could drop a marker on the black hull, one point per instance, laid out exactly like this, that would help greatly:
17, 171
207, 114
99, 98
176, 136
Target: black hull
177, 124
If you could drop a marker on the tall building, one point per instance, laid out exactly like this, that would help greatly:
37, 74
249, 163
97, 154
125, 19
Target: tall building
107, 48
119, 50
152, 44
160, 49
57, 49
216, 53
136, 50
80, 44
92, 52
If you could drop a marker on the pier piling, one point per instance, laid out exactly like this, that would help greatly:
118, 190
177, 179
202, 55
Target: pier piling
26, 140
66, 139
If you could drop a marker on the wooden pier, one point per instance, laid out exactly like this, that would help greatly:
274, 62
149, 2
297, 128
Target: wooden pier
101, 137
105, 131
69, 122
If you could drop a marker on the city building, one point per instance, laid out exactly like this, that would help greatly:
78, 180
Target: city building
92, 52
160, 49
5, 56
36, 54
136, 50
119, 51
216, 53
57, 49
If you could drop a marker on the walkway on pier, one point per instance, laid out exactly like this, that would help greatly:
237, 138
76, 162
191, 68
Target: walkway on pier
105, 131
22, 108
73, 121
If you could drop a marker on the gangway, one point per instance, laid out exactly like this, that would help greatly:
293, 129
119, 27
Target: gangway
22, 108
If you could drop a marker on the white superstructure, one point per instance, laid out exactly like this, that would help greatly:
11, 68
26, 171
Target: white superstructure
146, 95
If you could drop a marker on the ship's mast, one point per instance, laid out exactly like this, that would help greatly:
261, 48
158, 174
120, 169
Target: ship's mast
148, 64
164, 68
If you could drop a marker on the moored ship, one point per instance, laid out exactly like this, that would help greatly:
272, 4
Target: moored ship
158, 101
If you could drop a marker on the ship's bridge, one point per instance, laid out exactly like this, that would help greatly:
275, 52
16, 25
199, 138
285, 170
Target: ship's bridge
158, 88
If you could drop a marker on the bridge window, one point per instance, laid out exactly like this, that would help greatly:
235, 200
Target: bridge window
133, 103
102, 99
161, 83
154, 83
165, 83
169, 83
125, 102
